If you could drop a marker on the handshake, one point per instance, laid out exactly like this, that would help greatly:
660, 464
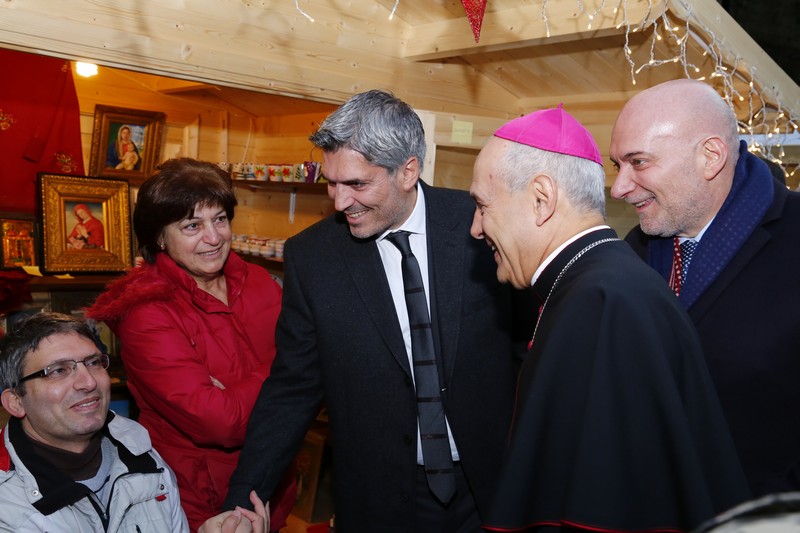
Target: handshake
240, 520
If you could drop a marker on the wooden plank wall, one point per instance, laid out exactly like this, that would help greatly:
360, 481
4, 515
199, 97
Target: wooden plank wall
258, 45
202, 129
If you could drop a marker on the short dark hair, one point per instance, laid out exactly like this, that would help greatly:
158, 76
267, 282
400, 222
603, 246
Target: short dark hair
25, 338
172, 193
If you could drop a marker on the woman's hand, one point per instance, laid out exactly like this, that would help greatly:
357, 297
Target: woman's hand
259, 518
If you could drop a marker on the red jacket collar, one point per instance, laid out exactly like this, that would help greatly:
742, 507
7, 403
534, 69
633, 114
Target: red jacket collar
234, 271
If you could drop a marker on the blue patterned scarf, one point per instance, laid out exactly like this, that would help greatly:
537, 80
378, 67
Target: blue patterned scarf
751, 195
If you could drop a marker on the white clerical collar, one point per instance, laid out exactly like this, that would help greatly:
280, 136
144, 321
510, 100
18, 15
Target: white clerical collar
549, 258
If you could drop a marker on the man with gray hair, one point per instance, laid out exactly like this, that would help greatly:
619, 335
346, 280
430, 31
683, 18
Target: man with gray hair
393, 317
617, 426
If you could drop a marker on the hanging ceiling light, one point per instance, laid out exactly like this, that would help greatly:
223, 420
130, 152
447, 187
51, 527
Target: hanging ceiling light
87, 70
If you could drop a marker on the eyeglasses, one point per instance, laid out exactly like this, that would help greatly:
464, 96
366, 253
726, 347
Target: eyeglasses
63, 369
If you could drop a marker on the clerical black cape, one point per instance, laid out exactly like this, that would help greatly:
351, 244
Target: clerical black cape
617, 426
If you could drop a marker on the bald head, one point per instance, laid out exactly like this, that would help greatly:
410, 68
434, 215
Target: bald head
686, 108
676, 147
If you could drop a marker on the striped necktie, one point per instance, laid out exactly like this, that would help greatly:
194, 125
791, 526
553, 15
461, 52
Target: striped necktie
430, 411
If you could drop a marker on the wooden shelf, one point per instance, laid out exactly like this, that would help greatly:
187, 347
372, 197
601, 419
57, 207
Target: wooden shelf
270, 263
284, 186
79, 282
98, 282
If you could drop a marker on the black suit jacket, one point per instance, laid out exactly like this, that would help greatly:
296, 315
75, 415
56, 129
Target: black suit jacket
749, 327
339, 341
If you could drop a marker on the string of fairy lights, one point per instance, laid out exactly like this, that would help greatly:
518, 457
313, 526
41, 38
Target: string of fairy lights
767, 121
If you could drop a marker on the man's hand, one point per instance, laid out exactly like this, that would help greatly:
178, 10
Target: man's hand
240, 520
227, 522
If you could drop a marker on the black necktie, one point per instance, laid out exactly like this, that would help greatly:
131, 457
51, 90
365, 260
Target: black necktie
687, 249
430, 411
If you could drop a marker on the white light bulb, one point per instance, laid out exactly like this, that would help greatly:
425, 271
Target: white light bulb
86, 70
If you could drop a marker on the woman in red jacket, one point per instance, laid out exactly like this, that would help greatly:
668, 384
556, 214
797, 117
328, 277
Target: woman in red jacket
197, 327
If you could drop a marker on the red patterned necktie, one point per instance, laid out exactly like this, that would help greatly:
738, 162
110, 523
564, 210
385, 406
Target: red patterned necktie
681, 257
676, 275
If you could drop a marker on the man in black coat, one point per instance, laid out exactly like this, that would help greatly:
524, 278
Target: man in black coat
344, 336
682, 166
617, 426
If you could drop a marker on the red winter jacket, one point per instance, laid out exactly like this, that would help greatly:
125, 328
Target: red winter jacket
175, 337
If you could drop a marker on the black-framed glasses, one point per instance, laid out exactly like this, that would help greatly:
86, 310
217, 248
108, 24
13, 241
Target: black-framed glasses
66, 367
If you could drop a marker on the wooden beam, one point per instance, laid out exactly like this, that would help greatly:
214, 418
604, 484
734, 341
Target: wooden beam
247, 46
618, 97
525, 26
184, 86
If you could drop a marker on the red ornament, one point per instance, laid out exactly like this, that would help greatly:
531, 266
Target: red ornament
475, 10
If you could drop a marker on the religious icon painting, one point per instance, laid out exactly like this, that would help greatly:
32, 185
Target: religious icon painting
85, 224
126, 143
17, 241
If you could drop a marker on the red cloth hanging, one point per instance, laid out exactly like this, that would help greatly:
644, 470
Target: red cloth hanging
475, 10
39, 125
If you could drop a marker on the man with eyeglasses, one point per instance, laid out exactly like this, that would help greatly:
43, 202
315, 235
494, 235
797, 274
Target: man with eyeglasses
67, 463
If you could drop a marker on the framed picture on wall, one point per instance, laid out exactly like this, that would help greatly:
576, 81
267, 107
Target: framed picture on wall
126, 143
85, 224
17, 240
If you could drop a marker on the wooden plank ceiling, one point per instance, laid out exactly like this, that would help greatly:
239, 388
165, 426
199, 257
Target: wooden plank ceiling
531, 53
